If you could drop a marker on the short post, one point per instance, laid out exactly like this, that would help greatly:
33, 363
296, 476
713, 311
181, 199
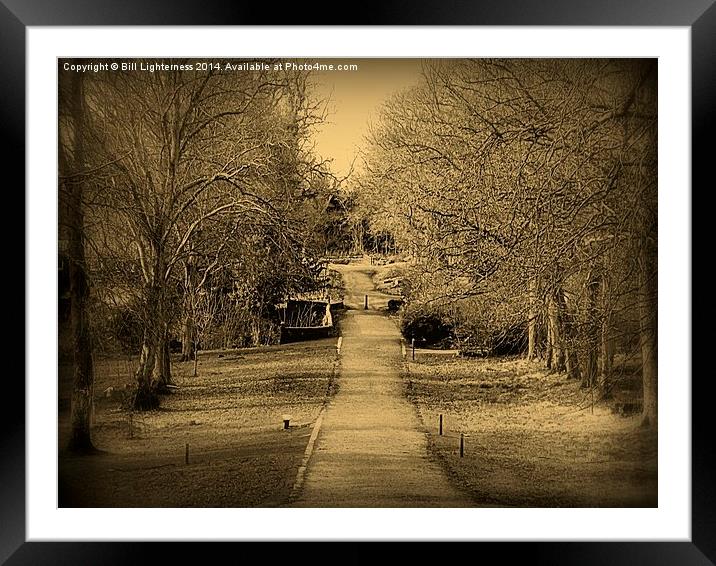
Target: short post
412, 345
441, 424
186, 453
462, 445
365, 307
286, 422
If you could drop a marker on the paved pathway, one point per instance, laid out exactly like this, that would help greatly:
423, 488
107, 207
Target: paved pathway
370, 451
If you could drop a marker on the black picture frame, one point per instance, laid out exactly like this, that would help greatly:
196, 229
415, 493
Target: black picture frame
699, 15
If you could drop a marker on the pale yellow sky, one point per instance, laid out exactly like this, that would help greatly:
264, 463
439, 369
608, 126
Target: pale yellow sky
356, 97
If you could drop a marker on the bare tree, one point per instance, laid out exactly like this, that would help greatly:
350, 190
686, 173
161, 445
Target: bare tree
176, 161
206, 306
185, 147
513, 182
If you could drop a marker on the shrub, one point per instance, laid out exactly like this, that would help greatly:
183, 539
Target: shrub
428, 327
478, 339
115, 329
125, 327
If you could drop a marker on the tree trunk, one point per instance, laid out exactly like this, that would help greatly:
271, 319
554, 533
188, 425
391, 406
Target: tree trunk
558, 358
606, 358
549, 344
187, 339
566, 338
196, 359
188, 328
539, 333
648, 330
83, 377
572, 364
593, 330
146, 397
162, 370
256, 330
162, 375
532, 320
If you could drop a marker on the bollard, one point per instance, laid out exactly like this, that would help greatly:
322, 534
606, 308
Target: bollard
366, 303
462, 445
186, 453
441, 424
412, 344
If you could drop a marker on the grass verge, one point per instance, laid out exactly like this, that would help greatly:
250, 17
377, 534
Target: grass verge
531, 439
231, 416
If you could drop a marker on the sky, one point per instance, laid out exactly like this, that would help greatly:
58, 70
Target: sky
355, 98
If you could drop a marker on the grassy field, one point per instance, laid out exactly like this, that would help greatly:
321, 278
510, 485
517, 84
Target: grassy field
532, 439
230, 416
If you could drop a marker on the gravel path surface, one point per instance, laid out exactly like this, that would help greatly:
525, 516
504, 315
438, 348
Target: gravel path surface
370, 450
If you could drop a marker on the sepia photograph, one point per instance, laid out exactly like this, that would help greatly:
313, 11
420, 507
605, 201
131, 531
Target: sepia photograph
357, 283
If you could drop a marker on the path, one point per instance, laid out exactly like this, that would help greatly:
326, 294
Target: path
370, 451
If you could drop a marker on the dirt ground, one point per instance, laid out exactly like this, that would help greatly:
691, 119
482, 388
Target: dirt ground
531, 439
230, 416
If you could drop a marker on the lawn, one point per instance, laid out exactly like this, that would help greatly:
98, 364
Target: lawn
531, 439
230, 416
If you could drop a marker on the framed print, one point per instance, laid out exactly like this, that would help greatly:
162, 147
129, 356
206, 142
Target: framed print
389, 282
